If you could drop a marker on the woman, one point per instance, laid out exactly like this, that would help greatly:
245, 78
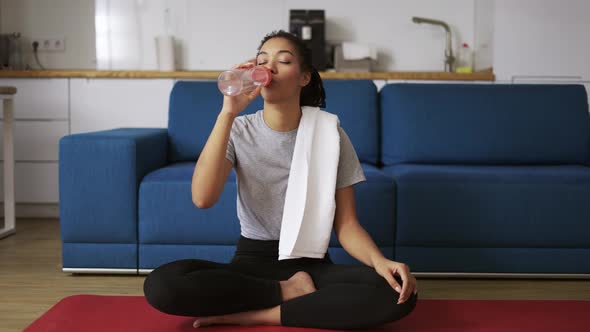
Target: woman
256, 288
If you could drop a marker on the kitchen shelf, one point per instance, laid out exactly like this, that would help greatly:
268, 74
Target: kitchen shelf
486, 75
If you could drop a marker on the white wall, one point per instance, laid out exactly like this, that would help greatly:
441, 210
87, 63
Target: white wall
542, 38
215, 34
386, 25
484, 13
69, 19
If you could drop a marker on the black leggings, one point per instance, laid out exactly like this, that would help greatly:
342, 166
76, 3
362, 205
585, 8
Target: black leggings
347, 296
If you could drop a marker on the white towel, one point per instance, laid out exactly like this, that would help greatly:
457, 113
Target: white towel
310, 204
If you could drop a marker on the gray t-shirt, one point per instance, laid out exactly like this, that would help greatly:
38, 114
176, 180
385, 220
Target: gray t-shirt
262, 158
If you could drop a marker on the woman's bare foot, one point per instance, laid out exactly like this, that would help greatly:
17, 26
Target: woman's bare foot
299, 284
270, 316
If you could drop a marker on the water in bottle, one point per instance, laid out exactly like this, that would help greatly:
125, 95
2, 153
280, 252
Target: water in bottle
237, 81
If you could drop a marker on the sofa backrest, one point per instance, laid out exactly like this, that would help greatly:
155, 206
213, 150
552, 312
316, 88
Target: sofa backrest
194, 106
356, 102
484, 124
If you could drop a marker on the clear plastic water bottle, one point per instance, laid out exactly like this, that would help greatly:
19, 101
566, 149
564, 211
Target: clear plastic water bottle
464, 59
237, 81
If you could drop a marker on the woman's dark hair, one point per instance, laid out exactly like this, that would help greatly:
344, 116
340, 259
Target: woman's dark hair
313, 93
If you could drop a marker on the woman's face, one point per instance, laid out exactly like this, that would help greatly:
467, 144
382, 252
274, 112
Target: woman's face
278, 55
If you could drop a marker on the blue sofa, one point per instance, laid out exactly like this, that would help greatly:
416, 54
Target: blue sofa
461, 179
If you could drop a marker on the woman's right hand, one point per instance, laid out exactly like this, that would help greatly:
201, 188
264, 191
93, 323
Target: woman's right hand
236, 104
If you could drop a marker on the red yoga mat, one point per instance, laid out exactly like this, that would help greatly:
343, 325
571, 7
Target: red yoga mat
98, 313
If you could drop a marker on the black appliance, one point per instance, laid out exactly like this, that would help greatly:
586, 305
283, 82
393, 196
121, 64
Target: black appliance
309, 25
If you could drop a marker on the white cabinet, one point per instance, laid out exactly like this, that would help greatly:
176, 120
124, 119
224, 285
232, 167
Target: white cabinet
45, 110
41, 118
380, 84
34, 182
100, 104
36, 140
36, 98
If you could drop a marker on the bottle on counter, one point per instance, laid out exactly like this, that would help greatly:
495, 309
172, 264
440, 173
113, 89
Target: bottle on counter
15, 56
464, 59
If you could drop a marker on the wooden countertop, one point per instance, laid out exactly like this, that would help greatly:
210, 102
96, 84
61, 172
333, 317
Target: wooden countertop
486, 75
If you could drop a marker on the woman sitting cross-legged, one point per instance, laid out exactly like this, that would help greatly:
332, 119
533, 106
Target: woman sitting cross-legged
263, 285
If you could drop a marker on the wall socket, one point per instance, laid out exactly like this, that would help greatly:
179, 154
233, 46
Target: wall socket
50, 44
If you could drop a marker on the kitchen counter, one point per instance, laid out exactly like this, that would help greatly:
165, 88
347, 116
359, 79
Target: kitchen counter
486, 75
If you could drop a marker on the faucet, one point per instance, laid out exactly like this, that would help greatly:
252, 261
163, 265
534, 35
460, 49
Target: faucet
449, 58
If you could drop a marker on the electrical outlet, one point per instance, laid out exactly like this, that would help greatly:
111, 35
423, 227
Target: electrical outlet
50, 44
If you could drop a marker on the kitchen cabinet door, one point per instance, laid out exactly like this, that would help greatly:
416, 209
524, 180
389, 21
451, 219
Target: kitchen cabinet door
39, 98
34, 182
36, 140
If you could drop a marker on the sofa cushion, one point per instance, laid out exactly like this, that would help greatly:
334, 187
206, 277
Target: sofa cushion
492, 206
485, 124
356, 104
167, 214
375, 206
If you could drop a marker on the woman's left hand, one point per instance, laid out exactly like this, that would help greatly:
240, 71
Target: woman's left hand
388, 268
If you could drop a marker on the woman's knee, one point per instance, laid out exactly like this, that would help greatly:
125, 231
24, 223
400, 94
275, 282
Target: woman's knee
410, 303
386, 309
399, 311
183, 288
161, 287
156, 289
388, 296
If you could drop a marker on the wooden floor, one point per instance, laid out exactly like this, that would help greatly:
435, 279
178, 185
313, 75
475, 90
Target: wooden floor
31, 280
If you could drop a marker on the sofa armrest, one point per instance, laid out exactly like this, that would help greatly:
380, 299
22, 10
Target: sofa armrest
99, 177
